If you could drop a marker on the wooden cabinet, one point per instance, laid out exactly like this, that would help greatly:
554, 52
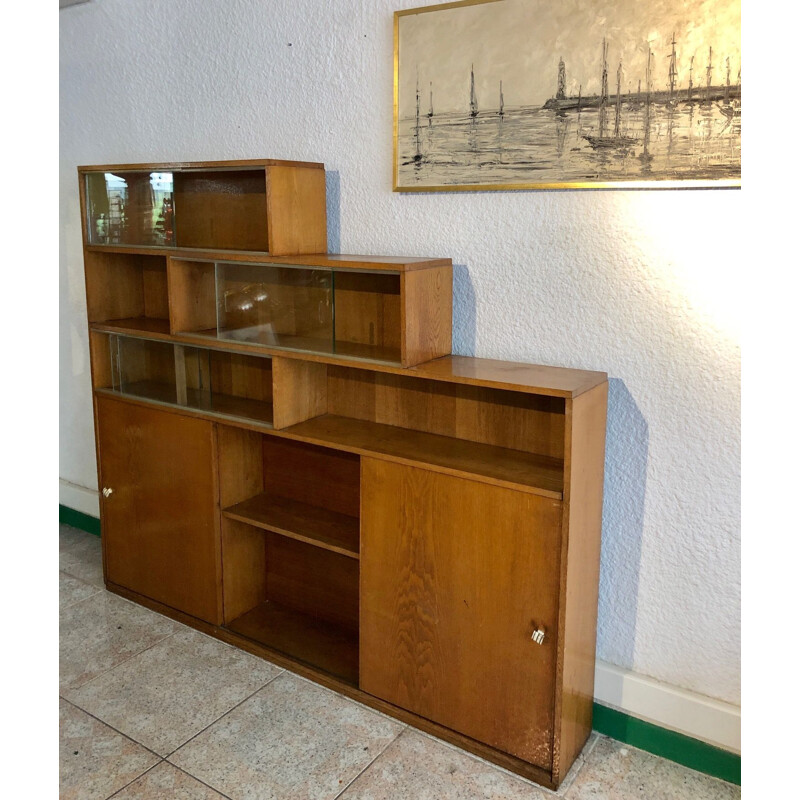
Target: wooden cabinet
158, 506
297, 466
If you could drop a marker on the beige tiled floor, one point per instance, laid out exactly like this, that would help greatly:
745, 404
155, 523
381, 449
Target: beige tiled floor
152, 709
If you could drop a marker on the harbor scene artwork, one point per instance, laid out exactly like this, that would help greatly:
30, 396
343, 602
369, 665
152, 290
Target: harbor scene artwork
516, 94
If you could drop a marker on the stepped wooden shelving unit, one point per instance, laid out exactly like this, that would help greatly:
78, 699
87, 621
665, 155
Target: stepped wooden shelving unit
293, 462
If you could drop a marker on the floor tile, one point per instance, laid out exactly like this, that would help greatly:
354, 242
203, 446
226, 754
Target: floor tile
165, 781
422, 768
165, 695
616, 771
80, 555
293, 740
73, 590
95, 761
101, 632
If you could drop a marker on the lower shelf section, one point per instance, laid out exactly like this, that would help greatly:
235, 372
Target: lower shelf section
331, 648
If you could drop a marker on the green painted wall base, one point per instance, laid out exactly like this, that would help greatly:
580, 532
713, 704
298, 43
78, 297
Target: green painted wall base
668, 744
69, 516
615, 724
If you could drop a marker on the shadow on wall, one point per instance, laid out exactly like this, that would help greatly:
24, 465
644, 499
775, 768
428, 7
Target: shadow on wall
464, 322
627, 440
333, 210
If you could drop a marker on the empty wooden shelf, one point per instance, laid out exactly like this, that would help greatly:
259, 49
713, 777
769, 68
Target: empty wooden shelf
291, 460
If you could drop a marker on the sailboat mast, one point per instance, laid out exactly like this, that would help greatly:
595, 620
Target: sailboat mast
708, 77
673, 72
416, 128
430, 110
501, 99
473, 100
727, 79
691, 68
619, 99
604, 78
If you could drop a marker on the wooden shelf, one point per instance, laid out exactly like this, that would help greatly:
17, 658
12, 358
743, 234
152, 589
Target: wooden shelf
304, 344
497, 465
220, 405
331, 648
301, 521
153, 327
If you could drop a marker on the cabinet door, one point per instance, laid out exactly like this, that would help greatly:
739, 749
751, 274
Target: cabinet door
456, 576
160, 526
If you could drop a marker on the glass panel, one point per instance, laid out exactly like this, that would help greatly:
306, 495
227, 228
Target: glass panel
144, 369
134, 208
275, 306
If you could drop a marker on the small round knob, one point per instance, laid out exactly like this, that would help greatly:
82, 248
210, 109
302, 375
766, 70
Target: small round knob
107, 492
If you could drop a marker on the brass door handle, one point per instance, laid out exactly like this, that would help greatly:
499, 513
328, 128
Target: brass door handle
107, 492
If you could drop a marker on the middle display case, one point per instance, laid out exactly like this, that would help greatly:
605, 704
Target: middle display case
345, 306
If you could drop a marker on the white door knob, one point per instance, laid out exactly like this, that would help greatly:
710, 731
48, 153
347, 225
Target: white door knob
107, 492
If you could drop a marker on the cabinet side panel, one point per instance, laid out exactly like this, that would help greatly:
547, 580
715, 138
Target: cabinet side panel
583, 511
455, 578
427, 315
299, 391
296, 210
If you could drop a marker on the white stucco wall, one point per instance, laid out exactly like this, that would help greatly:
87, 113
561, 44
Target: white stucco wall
638, 284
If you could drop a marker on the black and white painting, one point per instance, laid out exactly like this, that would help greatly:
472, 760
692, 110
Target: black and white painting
504, 94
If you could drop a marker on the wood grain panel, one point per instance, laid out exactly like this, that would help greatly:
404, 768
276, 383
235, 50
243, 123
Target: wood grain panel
316, 582
507, 419
427, 314
455, 577
368, 310
315, 475
161, 523
298, 221
300, 391
100, 359
249, 377
221, 209
583, 512
244, 568
192, 295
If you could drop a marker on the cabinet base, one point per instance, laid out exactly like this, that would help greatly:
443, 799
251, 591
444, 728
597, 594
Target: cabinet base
511, 763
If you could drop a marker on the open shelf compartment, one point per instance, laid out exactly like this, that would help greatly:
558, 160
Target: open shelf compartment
290, 547
127, 291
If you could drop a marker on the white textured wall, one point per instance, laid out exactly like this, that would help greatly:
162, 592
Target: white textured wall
639, 284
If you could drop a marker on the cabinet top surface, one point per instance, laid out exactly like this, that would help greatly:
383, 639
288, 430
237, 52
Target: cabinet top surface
510, 375
330, 260
188, 165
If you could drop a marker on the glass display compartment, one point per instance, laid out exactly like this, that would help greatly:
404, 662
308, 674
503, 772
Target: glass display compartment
130, 208
204, 208
275, 306
214, 382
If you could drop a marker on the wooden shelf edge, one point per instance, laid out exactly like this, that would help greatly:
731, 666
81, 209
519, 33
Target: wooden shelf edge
212, 416
509, 762
192, 165
337, 533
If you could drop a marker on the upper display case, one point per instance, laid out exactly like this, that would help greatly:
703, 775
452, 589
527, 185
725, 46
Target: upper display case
275, 207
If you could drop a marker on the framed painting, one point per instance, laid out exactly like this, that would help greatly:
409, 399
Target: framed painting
536, 94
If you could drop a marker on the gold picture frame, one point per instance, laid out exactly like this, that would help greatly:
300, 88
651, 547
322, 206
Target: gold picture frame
568, 116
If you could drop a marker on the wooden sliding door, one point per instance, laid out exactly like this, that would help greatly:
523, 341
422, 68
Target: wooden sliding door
456, 575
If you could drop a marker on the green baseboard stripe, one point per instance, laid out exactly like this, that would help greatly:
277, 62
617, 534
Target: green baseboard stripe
69, 516
668, 744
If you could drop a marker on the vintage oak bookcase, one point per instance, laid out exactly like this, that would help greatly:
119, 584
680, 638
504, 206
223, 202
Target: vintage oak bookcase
292, 461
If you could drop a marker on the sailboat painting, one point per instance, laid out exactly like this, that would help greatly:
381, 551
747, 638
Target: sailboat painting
536, 94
